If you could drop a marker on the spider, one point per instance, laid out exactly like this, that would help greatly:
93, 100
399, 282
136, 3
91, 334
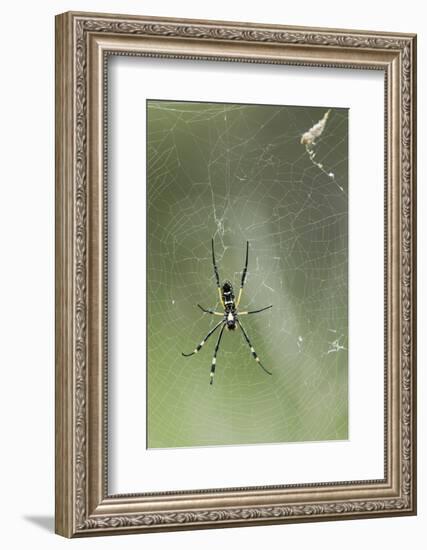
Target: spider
231, 314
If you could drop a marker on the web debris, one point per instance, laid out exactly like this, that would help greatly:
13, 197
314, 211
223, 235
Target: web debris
336, 345
308, 139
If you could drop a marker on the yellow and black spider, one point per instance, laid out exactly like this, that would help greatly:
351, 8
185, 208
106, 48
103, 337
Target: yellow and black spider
230, 315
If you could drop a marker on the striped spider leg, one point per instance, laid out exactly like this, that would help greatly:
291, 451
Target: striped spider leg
198, 348
254, 354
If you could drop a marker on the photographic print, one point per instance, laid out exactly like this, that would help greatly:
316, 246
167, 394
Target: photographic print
235, 274
247, 274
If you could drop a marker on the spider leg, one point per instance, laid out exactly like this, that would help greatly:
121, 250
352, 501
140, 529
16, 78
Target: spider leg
255, 356
216, 274
214, 355
256, 311
245, 269
203, 341
210, 311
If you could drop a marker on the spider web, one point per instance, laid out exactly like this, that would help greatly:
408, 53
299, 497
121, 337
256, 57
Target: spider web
236, 173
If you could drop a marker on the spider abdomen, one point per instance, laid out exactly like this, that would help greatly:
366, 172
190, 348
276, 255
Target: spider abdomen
227, 294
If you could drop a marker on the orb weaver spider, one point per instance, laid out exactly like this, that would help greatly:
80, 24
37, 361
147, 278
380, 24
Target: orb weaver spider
231, 314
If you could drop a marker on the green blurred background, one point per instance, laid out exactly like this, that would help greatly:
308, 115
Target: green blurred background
236, 173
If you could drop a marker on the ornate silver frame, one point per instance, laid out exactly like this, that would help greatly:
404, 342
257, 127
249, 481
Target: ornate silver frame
83, 505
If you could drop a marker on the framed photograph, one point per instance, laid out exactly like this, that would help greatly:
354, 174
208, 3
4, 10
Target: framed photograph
235, 274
